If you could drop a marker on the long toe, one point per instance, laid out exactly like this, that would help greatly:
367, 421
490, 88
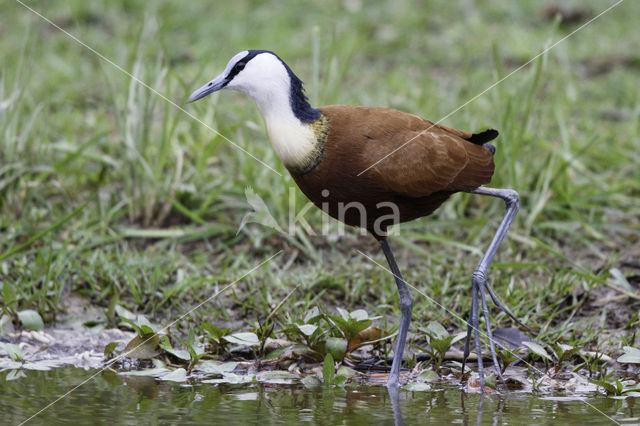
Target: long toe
476, 332
502, 307
467, 344
492, 342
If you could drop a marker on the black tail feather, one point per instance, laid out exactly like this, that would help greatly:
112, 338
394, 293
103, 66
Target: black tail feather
483, 137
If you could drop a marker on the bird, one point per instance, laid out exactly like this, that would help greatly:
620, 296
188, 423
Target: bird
374, 167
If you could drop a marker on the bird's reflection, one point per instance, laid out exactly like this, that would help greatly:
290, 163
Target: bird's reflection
465, 414
395, 405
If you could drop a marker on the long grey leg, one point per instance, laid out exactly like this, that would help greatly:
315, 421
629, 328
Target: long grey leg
479, 279
406, 306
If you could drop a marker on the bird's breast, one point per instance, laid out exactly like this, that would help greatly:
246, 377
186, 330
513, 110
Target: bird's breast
300, 146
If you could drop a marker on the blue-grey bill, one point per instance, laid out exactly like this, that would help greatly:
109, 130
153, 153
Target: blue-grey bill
212, 86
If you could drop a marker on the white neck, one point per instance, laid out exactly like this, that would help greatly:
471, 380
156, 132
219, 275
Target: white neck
293, 141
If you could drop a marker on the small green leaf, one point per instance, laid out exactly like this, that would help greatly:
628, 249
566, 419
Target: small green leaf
179, 353
344, 371
145, 325
14, 351
435, 330
608, 387
441, 345
631, 355
537, 349
564, 347
144, 347
355, 327
339, 322
312, 314
246, 339
195, 349
165, 343
506, 356
31, 320
428, 376
125, 313
343, 313
145, 329
337, 347
328, 370
132, 324
177, 375
275, 354
565, 351
359, 315
215, 332
340, 381
619, 386
459, 337
108, 350
307, 329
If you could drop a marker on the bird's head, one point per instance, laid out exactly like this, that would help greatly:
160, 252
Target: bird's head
250, 71
263, 76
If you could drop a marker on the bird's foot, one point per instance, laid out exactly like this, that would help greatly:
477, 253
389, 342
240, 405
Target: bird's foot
485, 314
479, 284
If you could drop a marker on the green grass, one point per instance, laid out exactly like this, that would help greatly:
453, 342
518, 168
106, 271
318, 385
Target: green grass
164, 196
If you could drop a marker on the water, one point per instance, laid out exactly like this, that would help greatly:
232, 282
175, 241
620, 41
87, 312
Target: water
111, 399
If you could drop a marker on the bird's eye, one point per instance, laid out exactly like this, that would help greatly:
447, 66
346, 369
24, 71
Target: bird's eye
239, 66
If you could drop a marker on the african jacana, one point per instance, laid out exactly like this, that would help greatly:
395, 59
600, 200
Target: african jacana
393, 166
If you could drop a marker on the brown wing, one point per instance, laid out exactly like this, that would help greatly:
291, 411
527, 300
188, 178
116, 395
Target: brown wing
429, 158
